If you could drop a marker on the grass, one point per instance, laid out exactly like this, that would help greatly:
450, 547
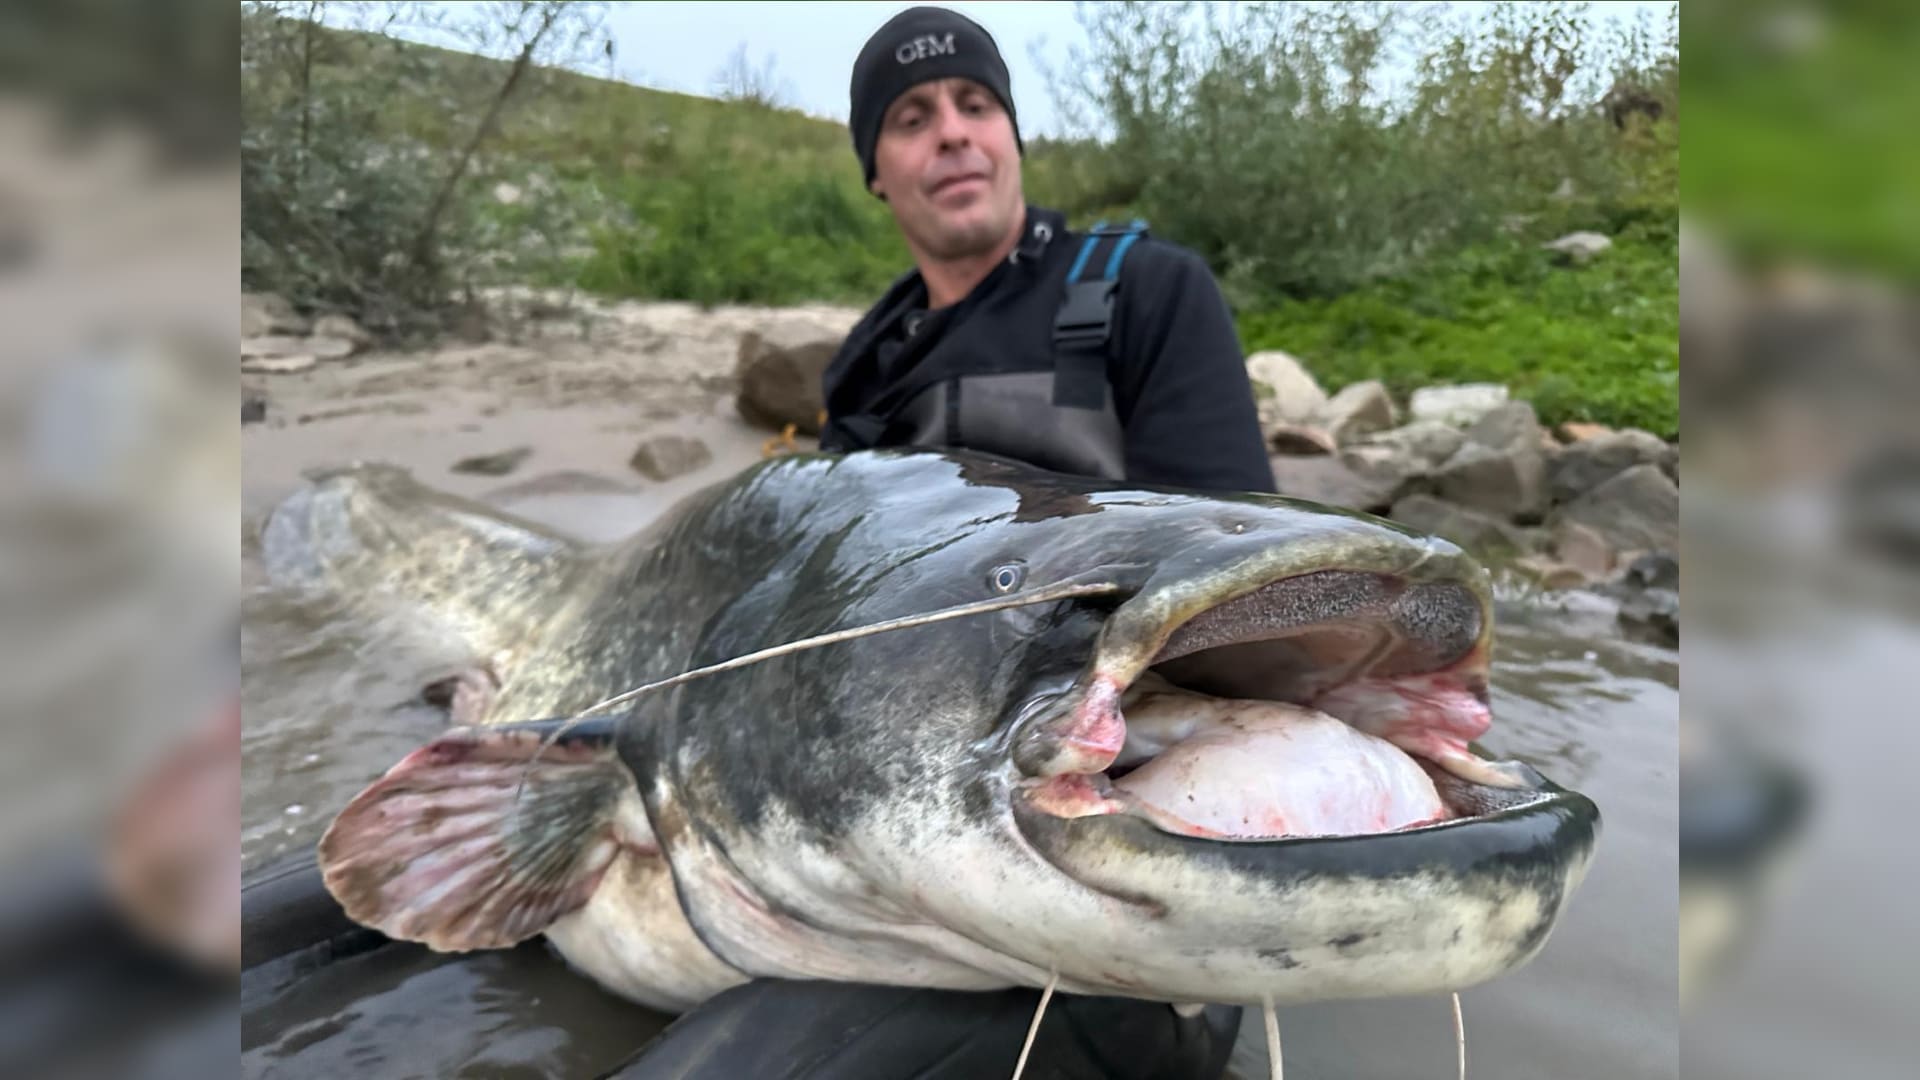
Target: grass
1598, 343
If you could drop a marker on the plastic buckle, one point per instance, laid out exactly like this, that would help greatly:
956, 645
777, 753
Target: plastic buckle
1087, 315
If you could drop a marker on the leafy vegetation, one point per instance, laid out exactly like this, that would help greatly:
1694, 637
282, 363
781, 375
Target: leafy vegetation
1372, 185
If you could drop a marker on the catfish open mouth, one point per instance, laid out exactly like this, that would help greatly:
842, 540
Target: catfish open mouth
1332, 703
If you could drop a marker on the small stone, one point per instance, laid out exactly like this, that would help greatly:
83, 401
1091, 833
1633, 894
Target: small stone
253, 407
1550, 573
1579, 248
499, 464
665, 457
1574, 431
277, 365
1460, 406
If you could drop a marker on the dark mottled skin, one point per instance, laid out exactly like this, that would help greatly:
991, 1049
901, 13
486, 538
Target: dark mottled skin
916, 726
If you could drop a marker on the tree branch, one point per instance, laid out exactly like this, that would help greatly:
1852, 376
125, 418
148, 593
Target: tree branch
423, 242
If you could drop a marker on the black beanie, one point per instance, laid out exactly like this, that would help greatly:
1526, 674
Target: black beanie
919, 45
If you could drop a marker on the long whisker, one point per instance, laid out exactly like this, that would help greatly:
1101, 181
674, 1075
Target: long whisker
1033, 1029
1460, 1035
1065, 590
1273, 1039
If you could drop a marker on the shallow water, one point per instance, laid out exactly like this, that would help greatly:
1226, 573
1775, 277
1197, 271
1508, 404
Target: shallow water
405, 1012
329, 707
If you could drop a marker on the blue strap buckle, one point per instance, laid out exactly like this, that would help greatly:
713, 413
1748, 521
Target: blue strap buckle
1086, 315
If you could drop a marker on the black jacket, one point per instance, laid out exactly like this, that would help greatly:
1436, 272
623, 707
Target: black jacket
1176, 407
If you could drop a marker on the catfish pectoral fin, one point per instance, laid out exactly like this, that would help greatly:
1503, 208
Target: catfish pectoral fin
451, 849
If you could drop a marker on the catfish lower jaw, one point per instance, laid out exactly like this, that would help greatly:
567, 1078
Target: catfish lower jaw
1428, 910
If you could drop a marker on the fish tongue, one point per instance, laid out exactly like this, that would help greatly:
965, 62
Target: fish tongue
1269, 769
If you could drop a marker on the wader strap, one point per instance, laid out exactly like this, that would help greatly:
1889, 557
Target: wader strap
1084, 323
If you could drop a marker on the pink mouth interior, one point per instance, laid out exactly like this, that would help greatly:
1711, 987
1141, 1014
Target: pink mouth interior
1269, 769
1328, 704
1357, 763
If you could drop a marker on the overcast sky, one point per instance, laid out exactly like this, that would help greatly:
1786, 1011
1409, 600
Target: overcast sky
684, 46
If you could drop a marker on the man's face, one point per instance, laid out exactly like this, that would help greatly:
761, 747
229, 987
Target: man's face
949, 168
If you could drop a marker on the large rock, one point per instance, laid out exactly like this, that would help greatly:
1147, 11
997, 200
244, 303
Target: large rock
1580, 547
1359, 409
1429, 442
264, 314
1284, 390
1331, 480
1477, 532
1460, 406
664, 457
1638, 510
1579, 248
1513, 426
779, 369
1585, 465
1510, 483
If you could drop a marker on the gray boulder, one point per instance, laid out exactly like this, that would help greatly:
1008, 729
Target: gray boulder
1330, 480
1513, 426
1637, 510
1428, 442
1510, 483
1585, 465
1473, 530
1357, 410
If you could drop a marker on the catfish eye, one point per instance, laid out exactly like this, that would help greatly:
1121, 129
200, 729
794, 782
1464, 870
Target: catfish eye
1008, 578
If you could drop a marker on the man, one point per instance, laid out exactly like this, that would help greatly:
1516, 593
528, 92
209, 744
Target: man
964, 352
984, 345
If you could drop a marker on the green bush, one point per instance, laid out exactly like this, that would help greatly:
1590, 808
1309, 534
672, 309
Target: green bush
1599, 342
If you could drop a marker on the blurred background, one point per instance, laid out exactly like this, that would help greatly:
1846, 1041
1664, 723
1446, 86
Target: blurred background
399, 164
